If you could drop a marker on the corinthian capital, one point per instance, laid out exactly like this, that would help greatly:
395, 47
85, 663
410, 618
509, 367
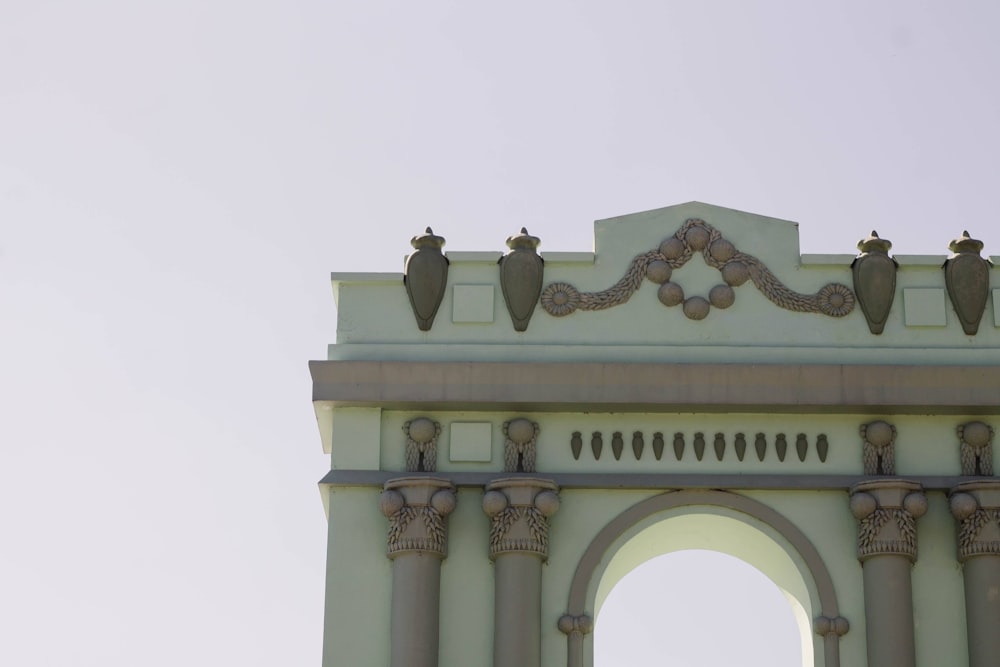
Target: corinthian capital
518, 509
416, 508
976, 507
887, 511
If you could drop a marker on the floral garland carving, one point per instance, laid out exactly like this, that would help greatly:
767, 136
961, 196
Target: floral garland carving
969, 543
835, 300
871, 525
433, 538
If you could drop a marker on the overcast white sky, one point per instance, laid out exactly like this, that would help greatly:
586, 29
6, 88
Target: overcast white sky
177, 180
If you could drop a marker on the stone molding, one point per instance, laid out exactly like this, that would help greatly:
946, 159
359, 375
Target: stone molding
641, 387
887, 511
976, 506
518, 509
416, 508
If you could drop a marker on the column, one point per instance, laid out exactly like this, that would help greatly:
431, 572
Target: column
887, 510
417, 542
519, 543
976, 506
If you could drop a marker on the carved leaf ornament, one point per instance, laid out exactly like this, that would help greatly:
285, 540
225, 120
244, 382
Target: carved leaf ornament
561, 299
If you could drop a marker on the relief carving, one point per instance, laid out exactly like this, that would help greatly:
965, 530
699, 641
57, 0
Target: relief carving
561, 299
518, 511
519, 447
977, 448
967, 277
416, 509
976, 506
887, 513
878, 453
421, 444
425, 277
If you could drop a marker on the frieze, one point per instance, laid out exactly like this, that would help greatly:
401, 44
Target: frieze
719, 446
735, 267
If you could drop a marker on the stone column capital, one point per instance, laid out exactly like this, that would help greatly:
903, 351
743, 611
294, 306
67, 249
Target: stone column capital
976, 507
886, 510
518, 508
416, 508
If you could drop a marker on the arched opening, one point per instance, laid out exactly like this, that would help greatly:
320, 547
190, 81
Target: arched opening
697, 608
718, 521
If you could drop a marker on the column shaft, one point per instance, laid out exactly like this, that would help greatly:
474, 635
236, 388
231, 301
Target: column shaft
517, 639
416, 601
889, 611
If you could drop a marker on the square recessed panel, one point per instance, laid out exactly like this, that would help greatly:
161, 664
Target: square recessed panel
924, 307
472, 304
996, 307
471, 441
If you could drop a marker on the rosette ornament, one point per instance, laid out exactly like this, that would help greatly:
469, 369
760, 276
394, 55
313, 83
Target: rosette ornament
425, 277
967, 277
875, 280
521, 272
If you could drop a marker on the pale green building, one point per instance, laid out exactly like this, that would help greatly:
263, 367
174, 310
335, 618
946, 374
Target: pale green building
510, 434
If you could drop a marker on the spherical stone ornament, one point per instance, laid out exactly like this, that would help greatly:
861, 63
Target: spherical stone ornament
444, 501
422, 430
735, 273
696, 308
658, 271
390, 502
823, 625
672, 248
862, 505
841, 625
722, 250
566, 624
494, 502
976, 434
878, 433
547, 502
722, 296
963, 505
670, 294
520, 430
697, 238
916, 504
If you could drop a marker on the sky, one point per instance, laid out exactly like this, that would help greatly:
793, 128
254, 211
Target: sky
177, 181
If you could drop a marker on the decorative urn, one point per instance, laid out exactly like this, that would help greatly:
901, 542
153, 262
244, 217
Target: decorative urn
875, 280
967, 277
425, 277
521, 272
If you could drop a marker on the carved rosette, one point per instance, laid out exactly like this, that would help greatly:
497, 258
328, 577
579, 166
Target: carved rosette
887, 510
967, 277
879, 449
425, 276
976, 507
519, 447
518, 509
421, 444
416, 508
976, 448
521, 278
874, 275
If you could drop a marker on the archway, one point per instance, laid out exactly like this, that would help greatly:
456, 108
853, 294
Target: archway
697, 608
718, 521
